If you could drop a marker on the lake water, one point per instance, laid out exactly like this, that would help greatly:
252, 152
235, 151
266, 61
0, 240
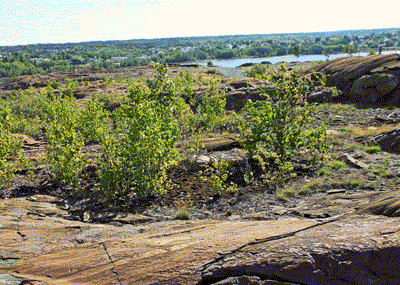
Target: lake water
276, 59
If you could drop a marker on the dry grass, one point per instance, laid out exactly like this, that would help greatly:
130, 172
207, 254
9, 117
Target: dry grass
359, 131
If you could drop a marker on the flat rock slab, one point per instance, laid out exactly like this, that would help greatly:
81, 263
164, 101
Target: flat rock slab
45, 249
53, 250
353, 250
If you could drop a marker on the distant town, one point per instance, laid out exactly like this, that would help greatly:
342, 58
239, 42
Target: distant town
43, 58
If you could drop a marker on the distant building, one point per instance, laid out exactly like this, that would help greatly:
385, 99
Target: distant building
186, 49
40, 59
95, 60
118, 59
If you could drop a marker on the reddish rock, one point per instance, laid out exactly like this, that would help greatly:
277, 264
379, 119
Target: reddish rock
371, 80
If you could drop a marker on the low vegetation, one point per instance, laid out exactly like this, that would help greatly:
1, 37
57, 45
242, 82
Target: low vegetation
278, 128
139, 151
139, 139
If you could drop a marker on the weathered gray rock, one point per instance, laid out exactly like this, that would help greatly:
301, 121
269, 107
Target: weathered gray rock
351, 161
371, 88
388, 141
238, 163
242, 280
323, 95
387, 204
236, 93
6, 279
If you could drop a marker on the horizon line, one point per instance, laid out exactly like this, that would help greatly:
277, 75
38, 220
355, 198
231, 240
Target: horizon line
203, 36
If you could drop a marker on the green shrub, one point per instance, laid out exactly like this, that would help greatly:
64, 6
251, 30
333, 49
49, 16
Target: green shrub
278, 128
337, 164
69, 83
289, 192
135, 161
55, 84
92, 122
257, 70
324, 172
211, 71
211, 110
64, 143
280, 196
373, 149
216, 176
9, 147
310, 187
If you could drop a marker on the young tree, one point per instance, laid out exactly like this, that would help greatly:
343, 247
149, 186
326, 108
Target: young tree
278, 127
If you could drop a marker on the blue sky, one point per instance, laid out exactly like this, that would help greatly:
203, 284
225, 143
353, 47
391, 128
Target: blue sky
60, 21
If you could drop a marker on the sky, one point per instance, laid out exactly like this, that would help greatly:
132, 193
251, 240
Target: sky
61, 21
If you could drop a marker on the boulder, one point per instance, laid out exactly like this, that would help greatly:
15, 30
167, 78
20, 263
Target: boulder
247, 64
371, 80
388, 141
237, 93
236, 100
237, 160
111, 106
322, 95
371, 88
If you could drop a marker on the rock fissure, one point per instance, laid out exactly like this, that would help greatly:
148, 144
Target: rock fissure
112, 262
271, 238
177, 233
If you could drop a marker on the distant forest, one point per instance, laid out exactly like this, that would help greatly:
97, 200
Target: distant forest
43, 58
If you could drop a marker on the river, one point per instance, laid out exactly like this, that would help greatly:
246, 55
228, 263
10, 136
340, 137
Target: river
232, 63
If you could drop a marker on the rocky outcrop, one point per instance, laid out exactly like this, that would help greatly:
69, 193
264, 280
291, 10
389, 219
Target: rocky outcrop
387, 204
36, 244
348, 251
39, 246
370, 80
42, 80
236, 93
388, 141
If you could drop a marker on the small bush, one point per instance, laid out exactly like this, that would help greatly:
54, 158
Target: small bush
55, 84
211, 71
280, 196
9, 147
373, 149
211, 111
278, 128
92, 122
337, 164
216, 176
135, 162
64, 144
310, 187
325, 172
289, 192
183, 208
257, 70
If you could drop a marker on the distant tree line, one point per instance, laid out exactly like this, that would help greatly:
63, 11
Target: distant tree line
43, 58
